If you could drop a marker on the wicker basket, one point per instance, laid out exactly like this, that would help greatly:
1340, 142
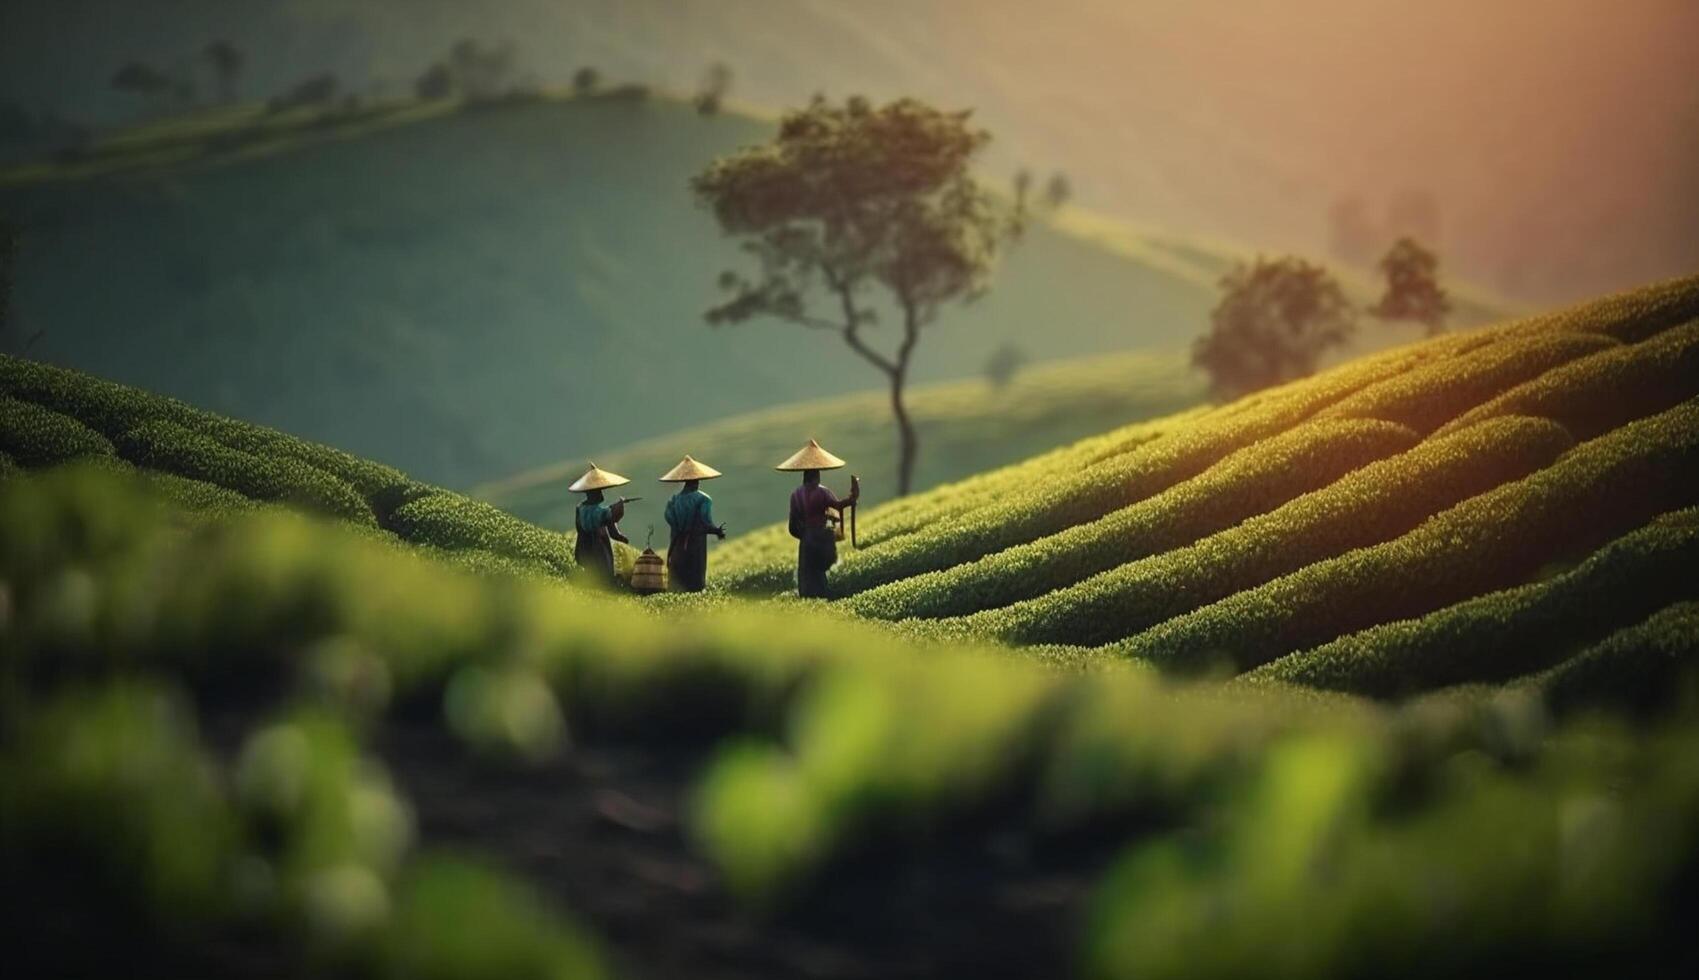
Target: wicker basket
649, 574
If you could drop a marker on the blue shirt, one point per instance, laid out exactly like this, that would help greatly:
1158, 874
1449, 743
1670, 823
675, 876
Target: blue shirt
593, 517
690, 510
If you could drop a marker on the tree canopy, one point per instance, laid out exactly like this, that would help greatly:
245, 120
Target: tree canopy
853, 200
1274, 321
1413, 291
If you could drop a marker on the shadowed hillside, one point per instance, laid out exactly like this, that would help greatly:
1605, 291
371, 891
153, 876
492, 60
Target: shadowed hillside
468, 292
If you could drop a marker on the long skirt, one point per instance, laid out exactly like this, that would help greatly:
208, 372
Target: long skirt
595, 555
687, 562
816, 552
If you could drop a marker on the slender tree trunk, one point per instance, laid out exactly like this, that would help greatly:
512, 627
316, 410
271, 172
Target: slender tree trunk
908, 443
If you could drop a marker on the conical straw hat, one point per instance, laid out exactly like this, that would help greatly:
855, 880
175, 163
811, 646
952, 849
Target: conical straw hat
811, 457
689, 469
597, 478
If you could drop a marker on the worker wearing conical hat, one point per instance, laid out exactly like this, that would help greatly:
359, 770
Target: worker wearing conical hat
817, 546
598, 523
690, 515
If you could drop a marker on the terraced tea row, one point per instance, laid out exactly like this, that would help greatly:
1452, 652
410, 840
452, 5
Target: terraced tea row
207, 463
1249, 482
1366, 507
1598, 490
1514, 632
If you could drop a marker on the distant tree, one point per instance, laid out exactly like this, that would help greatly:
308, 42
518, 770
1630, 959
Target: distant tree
227, 62
716, 82
1413, 291
481, 72
142, 79
854, 199
1004, 363
1352, 234
1274, 321
1058, 190
437, 82
585, 80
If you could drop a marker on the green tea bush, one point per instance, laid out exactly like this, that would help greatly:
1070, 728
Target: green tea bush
114, 409
1369, 506
7, 466
1619, 481
765, 559
454, 522
36, 436
1427, 397
109, 408
1252, 481
199, 496
1597, 393
1641, 669
1312, 873
1060, 489
1630, 316
117, 774
369, 479
459, 920
1048, 506
170, 447
1511, 633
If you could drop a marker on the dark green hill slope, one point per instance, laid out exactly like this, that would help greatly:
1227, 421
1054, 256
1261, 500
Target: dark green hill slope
218, 467
469, 293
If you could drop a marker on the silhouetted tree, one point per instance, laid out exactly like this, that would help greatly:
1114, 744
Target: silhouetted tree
482, 72
227, 62
1004, 363
585, 80
142, 79
1413, 291
437, 82
1274, 321
854, 199
1058, 190
716, 82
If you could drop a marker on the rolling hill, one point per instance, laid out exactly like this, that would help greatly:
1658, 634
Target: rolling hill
965, 427
215, 467
249, 742
1344, 531
470, 291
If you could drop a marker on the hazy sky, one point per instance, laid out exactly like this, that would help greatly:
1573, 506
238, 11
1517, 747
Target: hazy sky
1560, 138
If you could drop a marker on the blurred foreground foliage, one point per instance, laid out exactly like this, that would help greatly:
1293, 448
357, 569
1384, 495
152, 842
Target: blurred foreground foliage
189, 712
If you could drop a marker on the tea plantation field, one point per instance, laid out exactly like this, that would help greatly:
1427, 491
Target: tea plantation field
965, 427
214, 466
1406, 500
1452, 586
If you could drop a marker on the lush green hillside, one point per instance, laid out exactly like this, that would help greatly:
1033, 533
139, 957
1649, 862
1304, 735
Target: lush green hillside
216, 466
469, 292
271, 747
965, 428
1339, 527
